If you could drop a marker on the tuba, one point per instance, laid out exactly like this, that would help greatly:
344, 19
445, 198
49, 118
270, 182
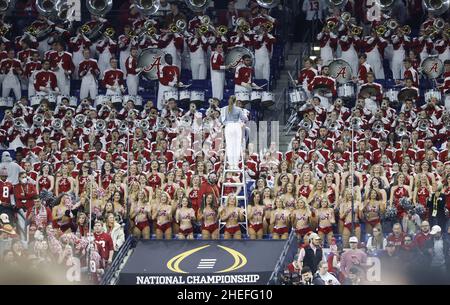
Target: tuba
147, 7
57, 124
99, 7
356, 124
123, 127
144, 125
181, 25
423, 125
437, 7
198, 5
62, 9
80, 120
385, 4
306, 124
401, 130
46, 8
222, 30
267, 4
38, 120
336, 3
392, 24
345, 17
100, 125
6, 6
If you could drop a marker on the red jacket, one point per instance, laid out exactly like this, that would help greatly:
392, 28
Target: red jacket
112, 76
307, 75
64, 58
89, 65
363, 70
32, 66
24, 194
243, 74
7, 64
168, 75
43, 78
217, 61
131, 65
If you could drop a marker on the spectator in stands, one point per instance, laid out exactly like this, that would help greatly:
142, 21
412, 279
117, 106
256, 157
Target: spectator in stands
397, 235
307, 276
115, 230
436, 205
323, 277
376, 242
352, 258
312, 254
423, 236
437, 249
105, 244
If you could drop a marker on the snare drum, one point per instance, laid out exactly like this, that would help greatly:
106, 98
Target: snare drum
197, 96
59, 99
256, 96
127, 98
138, 100
391, 95
346, 91
171, 95
268, 99
433, 94
116, 99
100, 100
297, 96
3, 102
243, 96
185, 96
51, 98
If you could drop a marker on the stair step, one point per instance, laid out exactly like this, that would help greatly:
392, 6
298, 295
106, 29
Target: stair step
234, 170
237, 197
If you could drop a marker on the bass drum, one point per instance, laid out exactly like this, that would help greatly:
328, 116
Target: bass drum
149, 60
234, 56
432, 67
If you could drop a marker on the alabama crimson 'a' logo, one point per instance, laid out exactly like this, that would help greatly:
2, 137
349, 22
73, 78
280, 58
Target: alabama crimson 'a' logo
236, 63
156, 63
434, 68
342, 72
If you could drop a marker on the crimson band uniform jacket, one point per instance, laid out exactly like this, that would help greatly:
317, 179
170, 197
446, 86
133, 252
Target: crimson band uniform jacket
113, 75
363, 70
324, 38
307, 75
131, 65
89, 65
217, 61
25, 55
168, 74
43, 78
412, 73
32, 66
65, 58
7, 64
243, 74
267, 40
76, 43
321, 79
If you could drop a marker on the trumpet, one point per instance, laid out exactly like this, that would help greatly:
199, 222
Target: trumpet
144, 125
345, 17
401, 130
222, 30
423, 125
19, 123
109, 32
378, 126
80, 120
57, 124
100, 125
85, 28
356, 30
203, 29
406, 30
268, 26
331, 25
380, 30
392, 24
38, 120
244, 28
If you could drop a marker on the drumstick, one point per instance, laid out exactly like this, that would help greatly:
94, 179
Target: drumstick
292, 79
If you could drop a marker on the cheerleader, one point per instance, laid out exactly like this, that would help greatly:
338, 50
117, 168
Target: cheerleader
326, 218
280, 186
374, 207
64, 183
398, 191
155, 178
268, 202
288, 196
345, 213
280, 220
255, 212
45, 181
163, 215
422, 192
300, 219
209, 217
118, 204
140, 214
184, 216
231, 215
304, 184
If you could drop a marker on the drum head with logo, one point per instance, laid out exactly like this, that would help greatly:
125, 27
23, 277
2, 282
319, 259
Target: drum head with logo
234, 56
432, 67
341, 71
149, 60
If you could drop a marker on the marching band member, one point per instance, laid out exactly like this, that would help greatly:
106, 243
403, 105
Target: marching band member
263, 52
106, 48
168, 76
328, 43
423, 45
241, 39
218, 71
442, 47
24, 57
42, 25
125, 43
445, 88
88, 72
113, 79
400, 42
62, 65
323, 79
31, 68
132, 72
410, 72
306, 75
77, 45
364, 69
172, 43
374, 49
45, 80
409, 84
243, 75
348, 44
11, 68
370, 78
198, 45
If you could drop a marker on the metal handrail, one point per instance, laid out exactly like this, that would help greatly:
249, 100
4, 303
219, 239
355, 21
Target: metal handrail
281, 261
110, 273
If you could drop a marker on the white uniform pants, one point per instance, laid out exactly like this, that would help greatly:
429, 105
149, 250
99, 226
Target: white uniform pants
397, 64
132, 84
176, 56
351, 57
217, 83
262, 63
103, 62
88, 87
198, 67
21, 223
374, 60
447, 102
77, 58
326, 53
43, 47
63, 82
123, 58
31, 90
445, 55
11, 82
233, 138
161, 90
